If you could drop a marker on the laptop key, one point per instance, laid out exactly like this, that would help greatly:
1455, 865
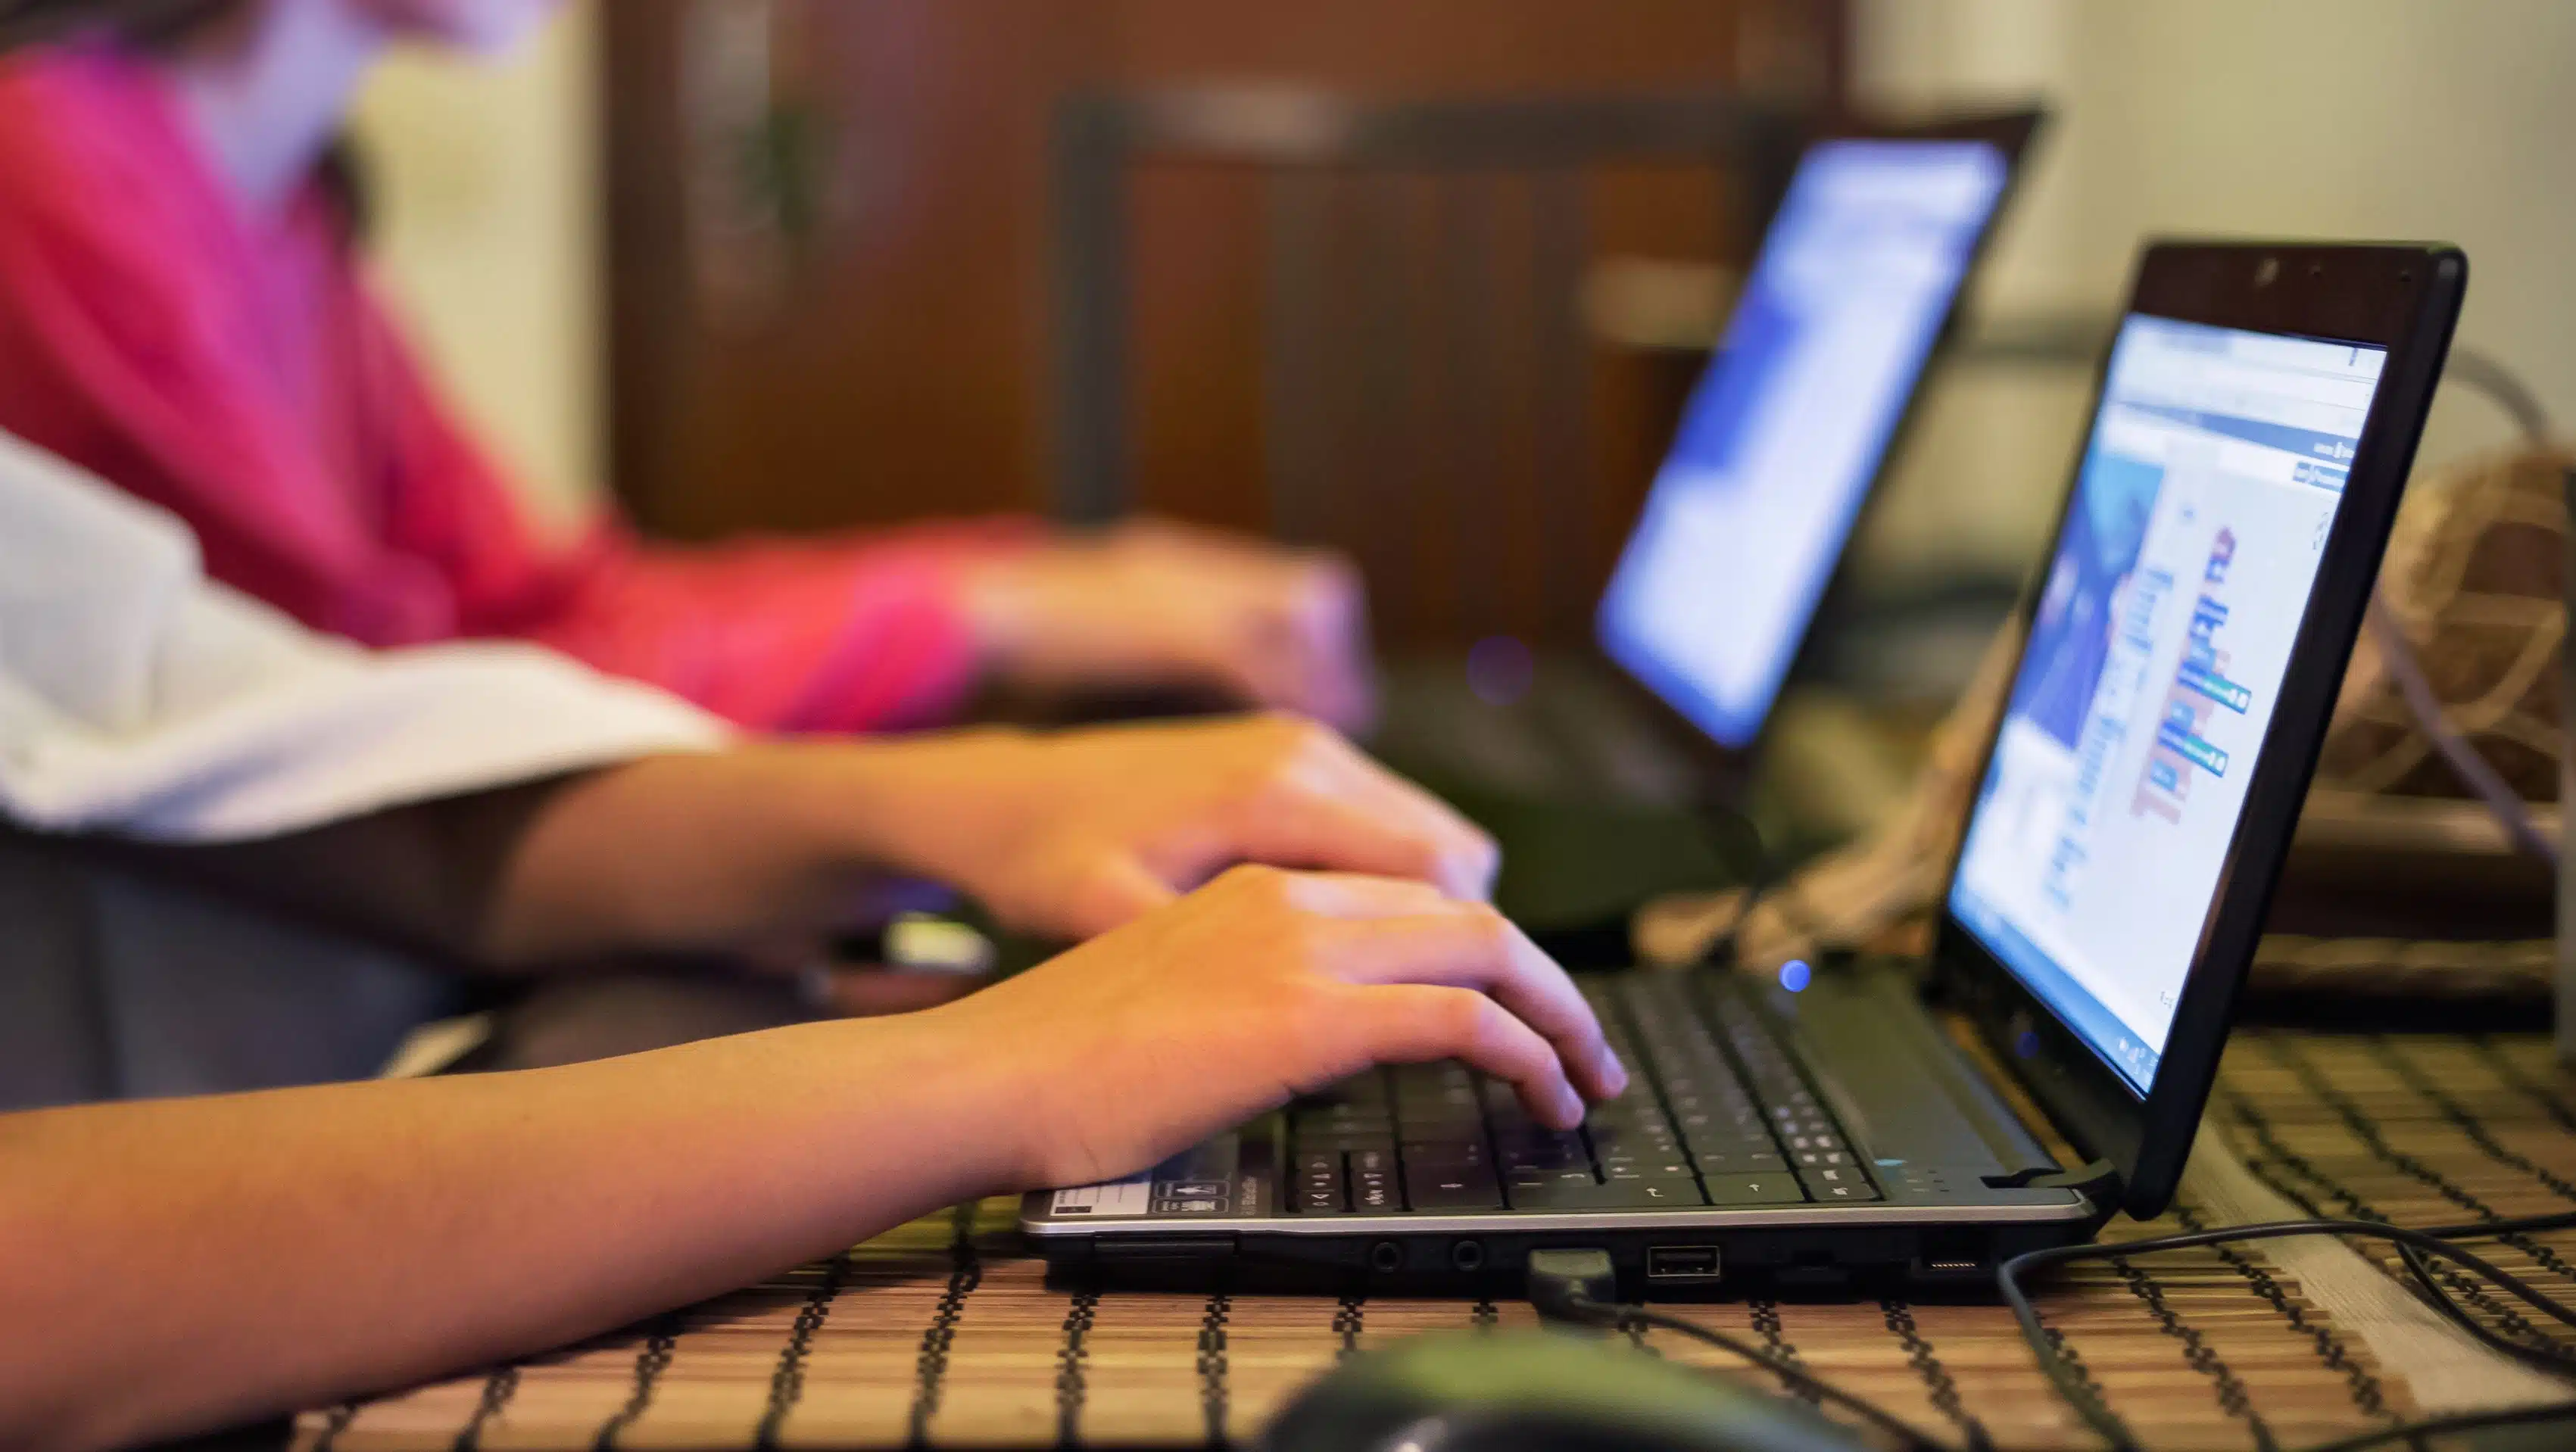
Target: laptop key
1607, 1138
1531, 1178
1660, 1170
1344, 1119
1543, 1152
1318, 1186
1774, 1188
1846, 1194
1460, 1188
1728, 1132
1740, 1162
1345, 1144
1666, 1153
1449, 1153
1610, 1195
1838, 1184
1655, 1194
1374, 1192
1704, 1147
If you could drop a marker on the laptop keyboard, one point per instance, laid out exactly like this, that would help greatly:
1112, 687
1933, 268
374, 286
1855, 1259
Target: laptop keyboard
1574, 736
1716, 1114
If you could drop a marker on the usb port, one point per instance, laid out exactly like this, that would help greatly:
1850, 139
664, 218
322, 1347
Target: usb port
1681, 1263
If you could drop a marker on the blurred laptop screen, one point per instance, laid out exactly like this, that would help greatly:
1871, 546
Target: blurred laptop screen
1792, 421
2157, 648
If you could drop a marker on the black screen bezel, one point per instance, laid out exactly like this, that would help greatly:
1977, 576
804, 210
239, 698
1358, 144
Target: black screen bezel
2010, 132
2401, 297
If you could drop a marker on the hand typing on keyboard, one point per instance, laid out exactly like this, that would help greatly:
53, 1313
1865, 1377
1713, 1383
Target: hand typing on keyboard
1261, 986
1074, 833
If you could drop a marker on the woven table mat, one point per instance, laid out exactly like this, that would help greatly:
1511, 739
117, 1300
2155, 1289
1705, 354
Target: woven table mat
2416, 1130
943, 1333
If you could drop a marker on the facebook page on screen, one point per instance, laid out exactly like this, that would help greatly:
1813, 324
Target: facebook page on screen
2157, 648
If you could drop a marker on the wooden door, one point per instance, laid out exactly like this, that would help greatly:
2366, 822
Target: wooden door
829, 225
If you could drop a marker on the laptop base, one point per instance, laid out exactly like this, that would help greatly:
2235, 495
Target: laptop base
1943, 1181
1653, 1264
1590, 799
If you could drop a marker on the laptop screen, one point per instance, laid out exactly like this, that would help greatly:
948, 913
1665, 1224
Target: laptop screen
1784, 434
2160, 638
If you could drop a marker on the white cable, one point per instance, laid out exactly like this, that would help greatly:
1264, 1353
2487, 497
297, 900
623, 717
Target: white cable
2426, 705
2475, 370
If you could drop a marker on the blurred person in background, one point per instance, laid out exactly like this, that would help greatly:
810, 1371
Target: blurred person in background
184, 310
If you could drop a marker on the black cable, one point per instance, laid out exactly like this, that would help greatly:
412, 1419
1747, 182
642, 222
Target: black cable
1556, 1291
1736, 840
1788, 1371
1726, 950
2548, 1359
1561, 1283
2414, 1247
2456, 1422
1768, 880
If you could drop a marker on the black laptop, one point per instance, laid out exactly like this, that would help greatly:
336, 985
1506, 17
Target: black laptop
1794, 422
2253, 428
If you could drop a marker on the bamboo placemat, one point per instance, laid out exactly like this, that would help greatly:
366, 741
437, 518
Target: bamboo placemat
2415, 1130
943, 1333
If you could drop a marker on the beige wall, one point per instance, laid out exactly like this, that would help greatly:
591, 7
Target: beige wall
2449, 119
2361, 118
488, 238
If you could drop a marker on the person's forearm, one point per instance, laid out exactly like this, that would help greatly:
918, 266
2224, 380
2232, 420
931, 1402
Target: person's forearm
767, 842
774, 845
174, 1265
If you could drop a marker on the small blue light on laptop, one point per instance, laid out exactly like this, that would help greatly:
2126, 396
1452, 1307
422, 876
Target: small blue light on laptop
2027, 1045
1795, 974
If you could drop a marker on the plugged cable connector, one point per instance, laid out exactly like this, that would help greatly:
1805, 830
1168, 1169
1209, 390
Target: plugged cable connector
1581, 1286
1572, 1285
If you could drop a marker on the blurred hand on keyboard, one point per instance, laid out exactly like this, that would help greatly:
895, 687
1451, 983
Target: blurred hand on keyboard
1263, 985
1155, 603
1073, 834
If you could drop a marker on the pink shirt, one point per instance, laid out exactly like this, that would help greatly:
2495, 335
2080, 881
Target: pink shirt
237, 371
